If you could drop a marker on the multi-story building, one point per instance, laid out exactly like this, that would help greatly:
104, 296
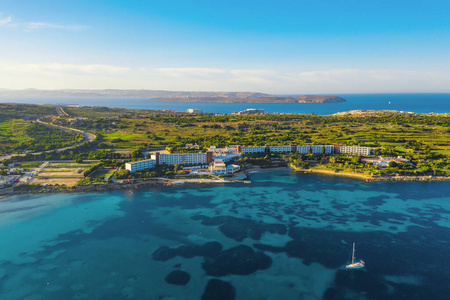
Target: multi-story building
317, 149
194, 111
249, 111
280, 149
261, 149
303, 149
183, 158
207, 158
355, 150
219, 168
227, 157
140, 165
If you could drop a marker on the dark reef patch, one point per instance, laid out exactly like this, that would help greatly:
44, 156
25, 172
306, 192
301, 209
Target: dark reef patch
269, 248
240, 260
239, 229
210, 249
164, 253
352, 284
178, 277
219, 290
374, 202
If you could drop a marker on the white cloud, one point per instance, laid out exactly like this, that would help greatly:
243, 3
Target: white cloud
32, 26
373, 80
42, 25
93, 69
181, 72
279, 81
254, 75
5, 21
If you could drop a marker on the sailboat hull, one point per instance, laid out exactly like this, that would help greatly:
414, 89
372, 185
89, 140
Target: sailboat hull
358, 265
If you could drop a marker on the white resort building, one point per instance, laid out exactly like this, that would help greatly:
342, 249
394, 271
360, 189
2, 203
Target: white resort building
183, 158
355, 150
220, 156
140, 165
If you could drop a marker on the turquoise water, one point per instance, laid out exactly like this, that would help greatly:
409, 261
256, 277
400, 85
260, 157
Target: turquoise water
419, 103
284, 236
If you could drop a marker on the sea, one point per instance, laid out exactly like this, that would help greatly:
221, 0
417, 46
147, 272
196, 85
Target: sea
286, 235
418, 103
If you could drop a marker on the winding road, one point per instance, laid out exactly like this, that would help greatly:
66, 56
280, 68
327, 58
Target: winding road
88, 137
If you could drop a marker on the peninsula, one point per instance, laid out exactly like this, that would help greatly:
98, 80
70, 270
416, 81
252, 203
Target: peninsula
174, 96
259, 99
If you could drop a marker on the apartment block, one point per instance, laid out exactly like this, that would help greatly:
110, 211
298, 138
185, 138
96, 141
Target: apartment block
140, 165
355, 150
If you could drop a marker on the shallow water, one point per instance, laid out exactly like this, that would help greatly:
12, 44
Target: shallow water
285, 236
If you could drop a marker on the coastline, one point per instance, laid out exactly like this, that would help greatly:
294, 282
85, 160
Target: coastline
370, 178
167, 182
86, 188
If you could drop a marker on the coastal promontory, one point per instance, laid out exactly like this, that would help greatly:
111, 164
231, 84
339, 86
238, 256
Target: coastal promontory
259, 99
174, 96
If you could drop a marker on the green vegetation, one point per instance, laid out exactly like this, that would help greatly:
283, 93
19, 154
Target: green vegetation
47, 138
424, 139
12, 135
391, 130
25, 111
17, 135
31, 165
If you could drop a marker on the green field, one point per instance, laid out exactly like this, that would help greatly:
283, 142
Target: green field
12, 134
313, 130
424, 138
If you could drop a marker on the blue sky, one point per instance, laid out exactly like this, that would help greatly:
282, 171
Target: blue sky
266, 46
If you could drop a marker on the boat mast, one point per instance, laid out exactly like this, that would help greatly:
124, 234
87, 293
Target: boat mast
353, 253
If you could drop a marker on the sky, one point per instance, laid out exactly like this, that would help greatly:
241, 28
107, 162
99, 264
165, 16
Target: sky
277, 47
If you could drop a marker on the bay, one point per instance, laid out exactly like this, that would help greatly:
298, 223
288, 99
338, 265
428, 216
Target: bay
418, 103
284, 236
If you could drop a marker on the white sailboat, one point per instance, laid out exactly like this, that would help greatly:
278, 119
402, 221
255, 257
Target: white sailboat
355, 265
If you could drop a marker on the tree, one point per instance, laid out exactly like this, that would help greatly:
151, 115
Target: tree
392, 164
356, 160
135, 154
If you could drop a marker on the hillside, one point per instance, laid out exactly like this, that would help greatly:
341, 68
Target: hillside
125, 93
264, 99
174, 96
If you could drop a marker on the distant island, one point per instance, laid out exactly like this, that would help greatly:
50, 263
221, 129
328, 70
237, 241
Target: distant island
174, 96
259, 99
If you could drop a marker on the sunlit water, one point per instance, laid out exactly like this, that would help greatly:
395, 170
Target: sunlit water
418, 103
284, 236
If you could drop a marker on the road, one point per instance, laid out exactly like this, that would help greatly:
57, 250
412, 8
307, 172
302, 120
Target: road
88, 137
61, 112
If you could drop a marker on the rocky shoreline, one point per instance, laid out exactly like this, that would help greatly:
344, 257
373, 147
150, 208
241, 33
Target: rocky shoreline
370, 178
170, 183
87, 188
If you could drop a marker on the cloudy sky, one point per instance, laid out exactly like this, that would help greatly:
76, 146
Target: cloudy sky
282, 47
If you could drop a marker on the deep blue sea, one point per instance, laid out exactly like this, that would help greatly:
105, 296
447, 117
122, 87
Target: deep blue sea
419, 103
284, 236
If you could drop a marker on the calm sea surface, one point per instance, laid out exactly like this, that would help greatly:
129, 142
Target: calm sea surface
419, 103
284, 236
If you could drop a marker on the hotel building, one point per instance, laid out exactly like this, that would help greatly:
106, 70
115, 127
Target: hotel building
234, 152
140, 165
354, 150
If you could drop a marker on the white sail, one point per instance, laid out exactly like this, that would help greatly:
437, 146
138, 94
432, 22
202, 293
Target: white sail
355, 265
